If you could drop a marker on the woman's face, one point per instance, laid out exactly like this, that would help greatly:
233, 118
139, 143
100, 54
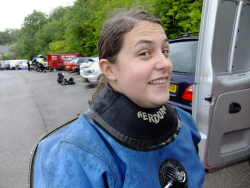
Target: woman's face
143, 69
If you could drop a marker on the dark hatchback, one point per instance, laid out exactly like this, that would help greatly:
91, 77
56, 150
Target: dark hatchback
183, 53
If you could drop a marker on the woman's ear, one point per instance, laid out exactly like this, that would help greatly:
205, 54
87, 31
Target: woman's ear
107, 69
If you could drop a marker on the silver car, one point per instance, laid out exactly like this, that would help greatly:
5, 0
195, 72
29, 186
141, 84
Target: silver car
91, 72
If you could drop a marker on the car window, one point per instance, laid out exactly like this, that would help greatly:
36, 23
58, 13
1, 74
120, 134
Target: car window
91, 61
82, 60
183, 56
70, 60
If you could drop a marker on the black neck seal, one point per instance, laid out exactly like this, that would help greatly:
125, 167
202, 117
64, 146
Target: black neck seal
134, 127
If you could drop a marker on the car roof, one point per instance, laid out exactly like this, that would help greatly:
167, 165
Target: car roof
185, 37
87, 59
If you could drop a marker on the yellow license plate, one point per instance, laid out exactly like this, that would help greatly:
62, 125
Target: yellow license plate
173, 88
85, 79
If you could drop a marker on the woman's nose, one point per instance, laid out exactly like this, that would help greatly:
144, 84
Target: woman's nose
163, 62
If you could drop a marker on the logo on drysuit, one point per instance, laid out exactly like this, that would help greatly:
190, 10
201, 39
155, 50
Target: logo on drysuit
173, 174
154, 118
180, 175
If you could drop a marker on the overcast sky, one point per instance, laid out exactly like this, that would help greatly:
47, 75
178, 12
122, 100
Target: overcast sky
13, 12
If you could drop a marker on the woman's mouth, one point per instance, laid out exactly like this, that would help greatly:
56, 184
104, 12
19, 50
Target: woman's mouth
159, 81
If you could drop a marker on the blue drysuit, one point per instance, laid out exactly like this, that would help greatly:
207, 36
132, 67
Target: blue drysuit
87, 154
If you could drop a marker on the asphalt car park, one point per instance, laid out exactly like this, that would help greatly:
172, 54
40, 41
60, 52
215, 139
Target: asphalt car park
33, 103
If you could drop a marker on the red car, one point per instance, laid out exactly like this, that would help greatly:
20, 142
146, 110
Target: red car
70, 63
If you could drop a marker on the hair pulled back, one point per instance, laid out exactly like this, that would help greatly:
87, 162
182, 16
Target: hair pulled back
111, 37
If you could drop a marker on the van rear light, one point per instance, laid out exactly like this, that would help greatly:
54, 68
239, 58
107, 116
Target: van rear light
188, 93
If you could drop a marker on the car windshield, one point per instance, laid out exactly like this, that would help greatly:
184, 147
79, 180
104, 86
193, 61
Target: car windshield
183, 56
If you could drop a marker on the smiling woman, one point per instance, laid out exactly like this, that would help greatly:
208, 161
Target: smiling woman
130, 136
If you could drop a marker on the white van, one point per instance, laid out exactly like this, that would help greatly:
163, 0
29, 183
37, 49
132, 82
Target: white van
221, 103
12, 64
16, 64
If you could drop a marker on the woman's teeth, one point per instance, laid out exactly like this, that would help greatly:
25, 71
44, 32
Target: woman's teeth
160, 81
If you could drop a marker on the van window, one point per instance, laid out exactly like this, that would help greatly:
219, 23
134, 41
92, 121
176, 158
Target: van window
223, 51
223, 35
242, 50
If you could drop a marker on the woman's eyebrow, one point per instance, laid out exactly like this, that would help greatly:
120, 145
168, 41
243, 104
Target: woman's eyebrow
149, 41
144, 41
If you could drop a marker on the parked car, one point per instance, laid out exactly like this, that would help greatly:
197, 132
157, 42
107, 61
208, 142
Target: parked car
4, 64
80, 62
21, 64
69, 64
92, 72
183, 76
86, 61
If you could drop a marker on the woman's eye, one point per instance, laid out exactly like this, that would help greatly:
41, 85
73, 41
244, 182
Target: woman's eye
165, 52
144, 53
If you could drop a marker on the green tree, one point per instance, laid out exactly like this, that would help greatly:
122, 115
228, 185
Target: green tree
9, 36
32, 24
111, 7
179, 16
17, 50
58, 13
52, 31
56, 47
5, 37
79, 25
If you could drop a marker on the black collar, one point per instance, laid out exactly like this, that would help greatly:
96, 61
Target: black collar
135, 127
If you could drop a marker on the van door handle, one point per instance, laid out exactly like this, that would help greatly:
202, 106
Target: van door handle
234, 108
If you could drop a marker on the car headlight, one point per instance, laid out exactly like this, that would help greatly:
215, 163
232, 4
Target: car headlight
91, 71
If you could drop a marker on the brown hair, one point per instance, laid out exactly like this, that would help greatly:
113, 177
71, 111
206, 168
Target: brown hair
111, 38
